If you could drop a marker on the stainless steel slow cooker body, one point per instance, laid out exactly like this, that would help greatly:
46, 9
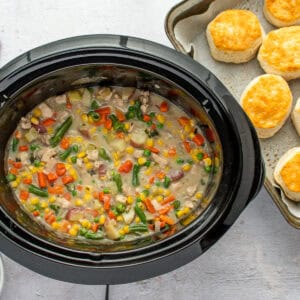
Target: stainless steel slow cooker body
126, 61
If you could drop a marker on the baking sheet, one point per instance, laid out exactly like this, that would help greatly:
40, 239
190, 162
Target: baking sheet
185, 25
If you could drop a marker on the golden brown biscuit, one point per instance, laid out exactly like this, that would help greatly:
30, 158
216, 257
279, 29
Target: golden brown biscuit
280, 52
234, 36
267, 101
282, 13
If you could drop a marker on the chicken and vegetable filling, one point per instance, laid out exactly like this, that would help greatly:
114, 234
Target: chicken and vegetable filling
108, 163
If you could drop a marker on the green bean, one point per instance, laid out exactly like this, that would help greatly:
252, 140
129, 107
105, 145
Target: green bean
34, 147
106, 190
74, 159
60, 132
120, 208
135, 175
167, 182
94, 105
180, 161
94, 235
116, 124
64, 155
138, 228
103, 154
37, 191
55, 208
118, 180
95, 116
200, 156
176, 204
140, 214
75, 148
14, 145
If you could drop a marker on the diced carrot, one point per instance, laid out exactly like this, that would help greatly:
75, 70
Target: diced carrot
60, 169
153, 149
162, 224
120, 115
67, 196
68, 104
18, 134
187, 146
95, 195
205, 155
27, 180
168, 199
56, 189
153, 126
149, 206
79, 187
108, 124
120, 135
36, 213
164, 106
165, 210
42, 179
146, 118
50, 218
17, 164
65, 143
67, 179
101, 196
24, 195
10, 161
95, 227
151, 180
198, 139
103, 110
126, 166
48, 122
65, 226
23, 148
111, 215
151, 226
167, 219
172, 151
183, 121
51, 177
13, 171
106, 201
160, 175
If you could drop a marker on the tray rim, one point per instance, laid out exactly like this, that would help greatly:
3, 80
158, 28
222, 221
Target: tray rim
274, 194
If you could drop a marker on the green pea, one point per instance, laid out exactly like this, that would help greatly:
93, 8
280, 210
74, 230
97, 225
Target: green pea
147, 152
11, 177
200, 156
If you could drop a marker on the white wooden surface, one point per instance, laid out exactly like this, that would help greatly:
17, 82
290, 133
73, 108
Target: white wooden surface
258, 258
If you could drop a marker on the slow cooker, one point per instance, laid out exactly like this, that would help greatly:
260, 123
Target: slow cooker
125, 61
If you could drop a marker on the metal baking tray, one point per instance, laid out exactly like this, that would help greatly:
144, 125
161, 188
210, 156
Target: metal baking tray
185, 26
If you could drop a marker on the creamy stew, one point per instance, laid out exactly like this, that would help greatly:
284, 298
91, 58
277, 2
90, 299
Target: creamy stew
108, 163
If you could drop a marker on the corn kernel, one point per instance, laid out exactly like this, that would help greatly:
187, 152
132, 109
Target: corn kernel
55, 225
47, 210
78, 139
117, 163
127, 125
137, 220
87, 197
207, 161
81, 154
186, 210
129, 150
141, 160
131, 102
159, 198
73, 173
186, 167
165, 153
14, 184
102, 219
160, 118
86, 223
121, 231
84, 117
92, 130
160, 142
90, 120
129, 199
52, 199
169, 124
78, 202
141, 205
160, 190
85, 160
73, 231
191, 135
34, 201
78, 111
147, 186
142, 196
44, 204
217, 162
119, 218
116, 155
69, 160
198, 195
89, 166
188, 220
180, 213
37, 112
148, 171
104, 130
126, 229
34, 121
150, 142
167, 193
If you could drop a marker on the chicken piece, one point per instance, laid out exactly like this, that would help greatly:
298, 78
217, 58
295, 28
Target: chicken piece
62, 116
24, 157
61, 99
47, 112
145, 99
191, 190
92, 154
63, 203
50, 165
121, 198
111, 231
138, 153
129, 216
46, 154
45, 139
117, 100
163, 162
104, 93
25, 123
